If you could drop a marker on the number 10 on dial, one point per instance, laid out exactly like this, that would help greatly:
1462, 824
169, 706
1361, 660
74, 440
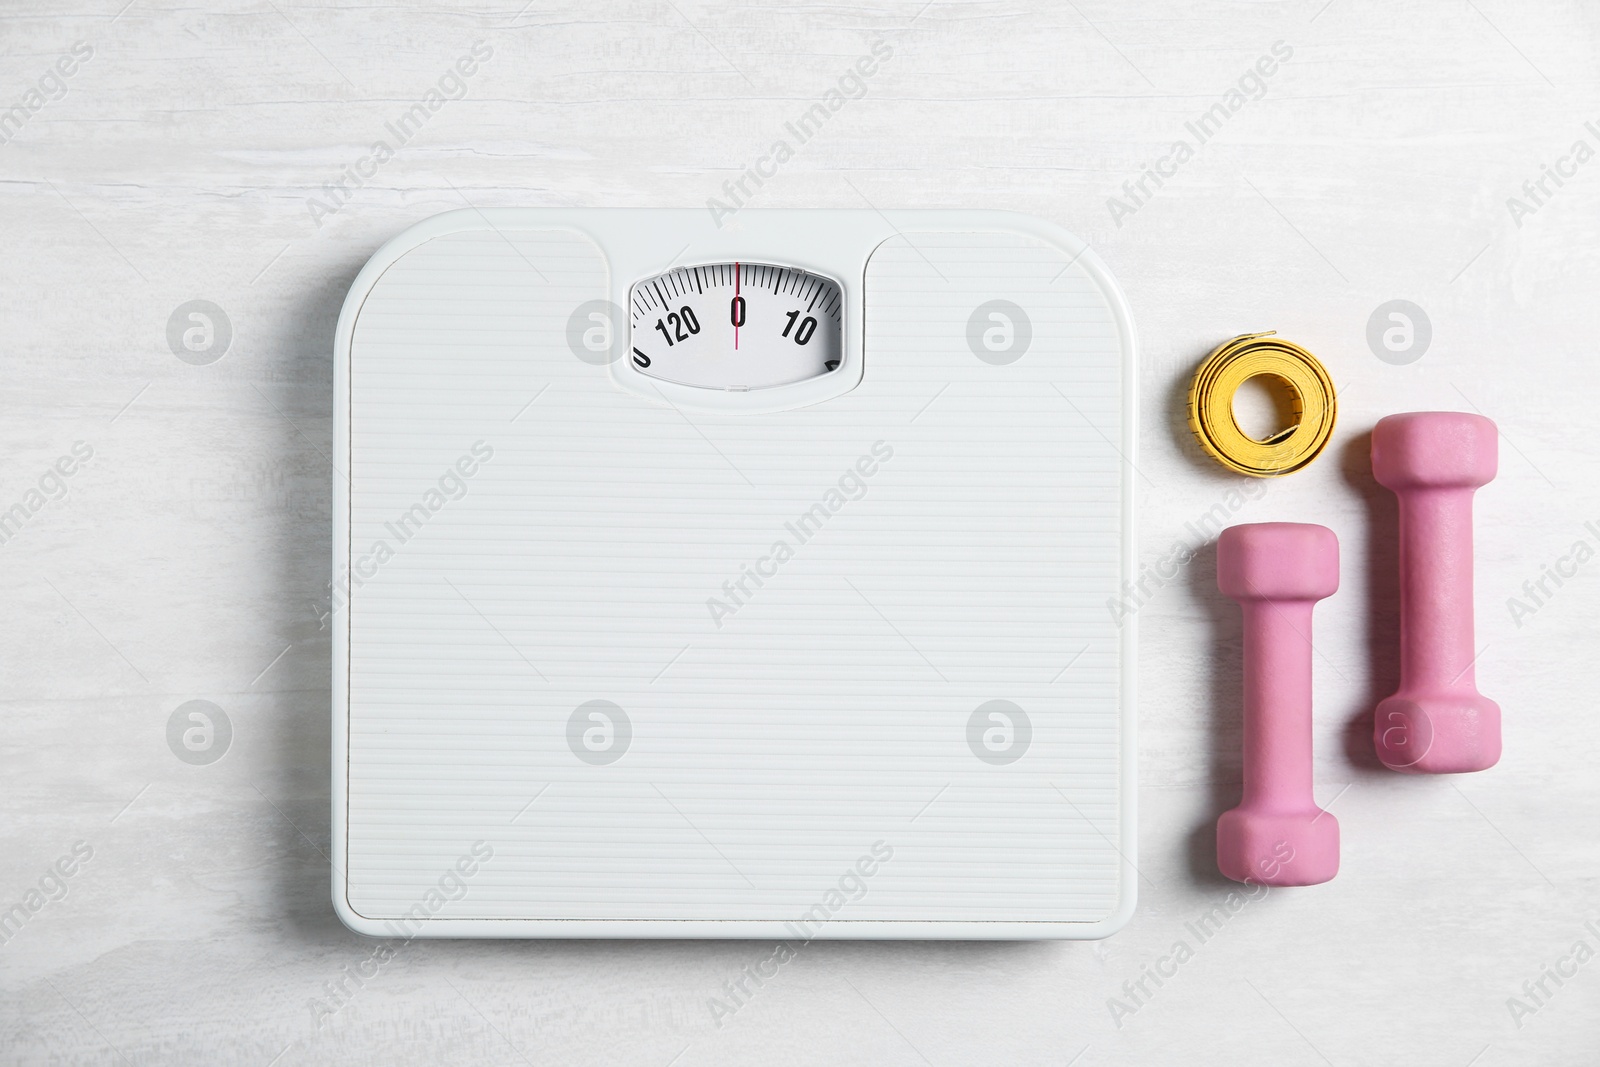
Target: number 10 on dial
736, 325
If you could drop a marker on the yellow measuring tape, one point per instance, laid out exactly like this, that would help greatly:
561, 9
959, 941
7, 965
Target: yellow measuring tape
1229, 366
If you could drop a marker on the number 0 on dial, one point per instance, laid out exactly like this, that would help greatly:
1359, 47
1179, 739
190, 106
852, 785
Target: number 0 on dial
736, 325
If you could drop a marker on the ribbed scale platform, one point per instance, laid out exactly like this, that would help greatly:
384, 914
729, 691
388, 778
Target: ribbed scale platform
828, 711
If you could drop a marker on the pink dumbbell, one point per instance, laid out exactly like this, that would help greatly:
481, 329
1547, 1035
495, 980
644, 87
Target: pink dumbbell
1437, 722
1277, 835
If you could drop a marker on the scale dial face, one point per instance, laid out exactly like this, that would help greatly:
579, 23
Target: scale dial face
736, 326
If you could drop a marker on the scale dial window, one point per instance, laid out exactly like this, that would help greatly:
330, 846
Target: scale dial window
736, 326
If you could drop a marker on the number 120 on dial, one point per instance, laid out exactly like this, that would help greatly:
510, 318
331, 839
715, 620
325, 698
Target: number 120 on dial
736, 325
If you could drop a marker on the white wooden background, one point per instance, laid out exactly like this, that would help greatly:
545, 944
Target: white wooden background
188, 557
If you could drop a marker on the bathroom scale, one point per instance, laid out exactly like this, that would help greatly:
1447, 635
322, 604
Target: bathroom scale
733, 577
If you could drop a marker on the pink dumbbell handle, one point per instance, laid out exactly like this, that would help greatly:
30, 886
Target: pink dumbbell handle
1436, 627
1436, 722
1277, 706
1277, 571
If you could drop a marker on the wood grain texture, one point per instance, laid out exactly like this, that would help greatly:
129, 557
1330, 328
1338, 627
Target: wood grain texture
196, 155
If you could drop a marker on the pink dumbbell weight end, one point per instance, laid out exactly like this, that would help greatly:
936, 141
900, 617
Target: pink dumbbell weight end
1277, 835
1438, 722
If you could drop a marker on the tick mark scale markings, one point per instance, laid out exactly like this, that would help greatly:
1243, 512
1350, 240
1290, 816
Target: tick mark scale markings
784, 323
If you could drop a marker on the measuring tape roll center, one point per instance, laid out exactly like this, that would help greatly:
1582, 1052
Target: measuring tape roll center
1235, 362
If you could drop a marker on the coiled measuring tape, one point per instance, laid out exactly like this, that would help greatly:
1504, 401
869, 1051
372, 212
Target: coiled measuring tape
1229, 366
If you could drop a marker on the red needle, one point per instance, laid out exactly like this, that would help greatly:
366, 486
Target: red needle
736, 315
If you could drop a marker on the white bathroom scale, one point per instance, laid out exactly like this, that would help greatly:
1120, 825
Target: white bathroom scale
741, 580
